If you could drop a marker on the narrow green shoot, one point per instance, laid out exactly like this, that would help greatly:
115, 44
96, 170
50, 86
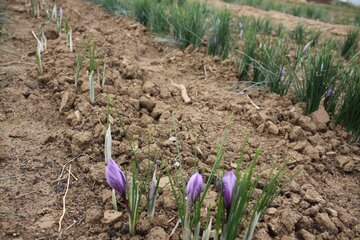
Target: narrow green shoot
103, 76
92, 92
92, 58
79, 60
39, 50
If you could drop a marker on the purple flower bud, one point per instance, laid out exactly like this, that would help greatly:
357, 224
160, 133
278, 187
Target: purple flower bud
282, 71
307, 46
61, 13
152, 187
116, 178
329, 92
194, 187
215, 41
228, 185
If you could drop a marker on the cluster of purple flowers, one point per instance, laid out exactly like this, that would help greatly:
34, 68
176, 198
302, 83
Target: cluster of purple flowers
116, 180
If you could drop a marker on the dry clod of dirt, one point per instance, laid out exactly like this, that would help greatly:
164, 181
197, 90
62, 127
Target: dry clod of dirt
150, 88
307, 124
168, 201
346, 218
289, 218
311, 195
312, 152
297, 133
93, 214
67, 101
106, 195
325, 224
143, 225
272, 128
131, 71
97, 172
45, 222
345, 162
305, 235
74, 118
51, 34
157, 233
82, 139
320, 116
147, 103
110, 216
299, 146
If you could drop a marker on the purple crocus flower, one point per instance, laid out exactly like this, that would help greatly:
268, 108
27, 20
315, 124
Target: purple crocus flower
116, 178
194, 187
329, 92
61, 13
228, 185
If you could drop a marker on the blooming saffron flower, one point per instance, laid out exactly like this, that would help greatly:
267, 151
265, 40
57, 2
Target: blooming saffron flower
228, 185
116, 178
61, 13
194, 187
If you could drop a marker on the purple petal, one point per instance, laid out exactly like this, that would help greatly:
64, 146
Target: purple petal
194, 187
228, 185
329, 92
116, 178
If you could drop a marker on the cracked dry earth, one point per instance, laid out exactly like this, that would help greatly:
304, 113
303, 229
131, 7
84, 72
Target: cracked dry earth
46, 122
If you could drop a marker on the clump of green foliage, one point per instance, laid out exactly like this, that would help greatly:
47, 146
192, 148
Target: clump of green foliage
351, 43
220, 38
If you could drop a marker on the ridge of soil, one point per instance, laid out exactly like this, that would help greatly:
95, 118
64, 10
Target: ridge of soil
289, 21
46, 122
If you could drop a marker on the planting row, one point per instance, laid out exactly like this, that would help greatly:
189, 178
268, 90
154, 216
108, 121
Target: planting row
271, 57
333, 14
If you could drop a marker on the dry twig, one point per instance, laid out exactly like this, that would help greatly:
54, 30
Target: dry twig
256, 106
183, 90
64, 197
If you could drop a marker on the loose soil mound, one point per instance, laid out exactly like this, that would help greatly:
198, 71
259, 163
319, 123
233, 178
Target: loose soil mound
47, 123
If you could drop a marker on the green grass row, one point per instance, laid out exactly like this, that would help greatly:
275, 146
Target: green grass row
327, 13
271, 56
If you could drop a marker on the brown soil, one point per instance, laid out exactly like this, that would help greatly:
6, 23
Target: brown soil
46, 122
287, 20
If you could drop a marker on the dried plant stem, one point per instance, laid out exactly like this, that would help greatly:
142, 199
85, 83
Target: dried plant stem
176, 226
256, 106
64, 198
183, 90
